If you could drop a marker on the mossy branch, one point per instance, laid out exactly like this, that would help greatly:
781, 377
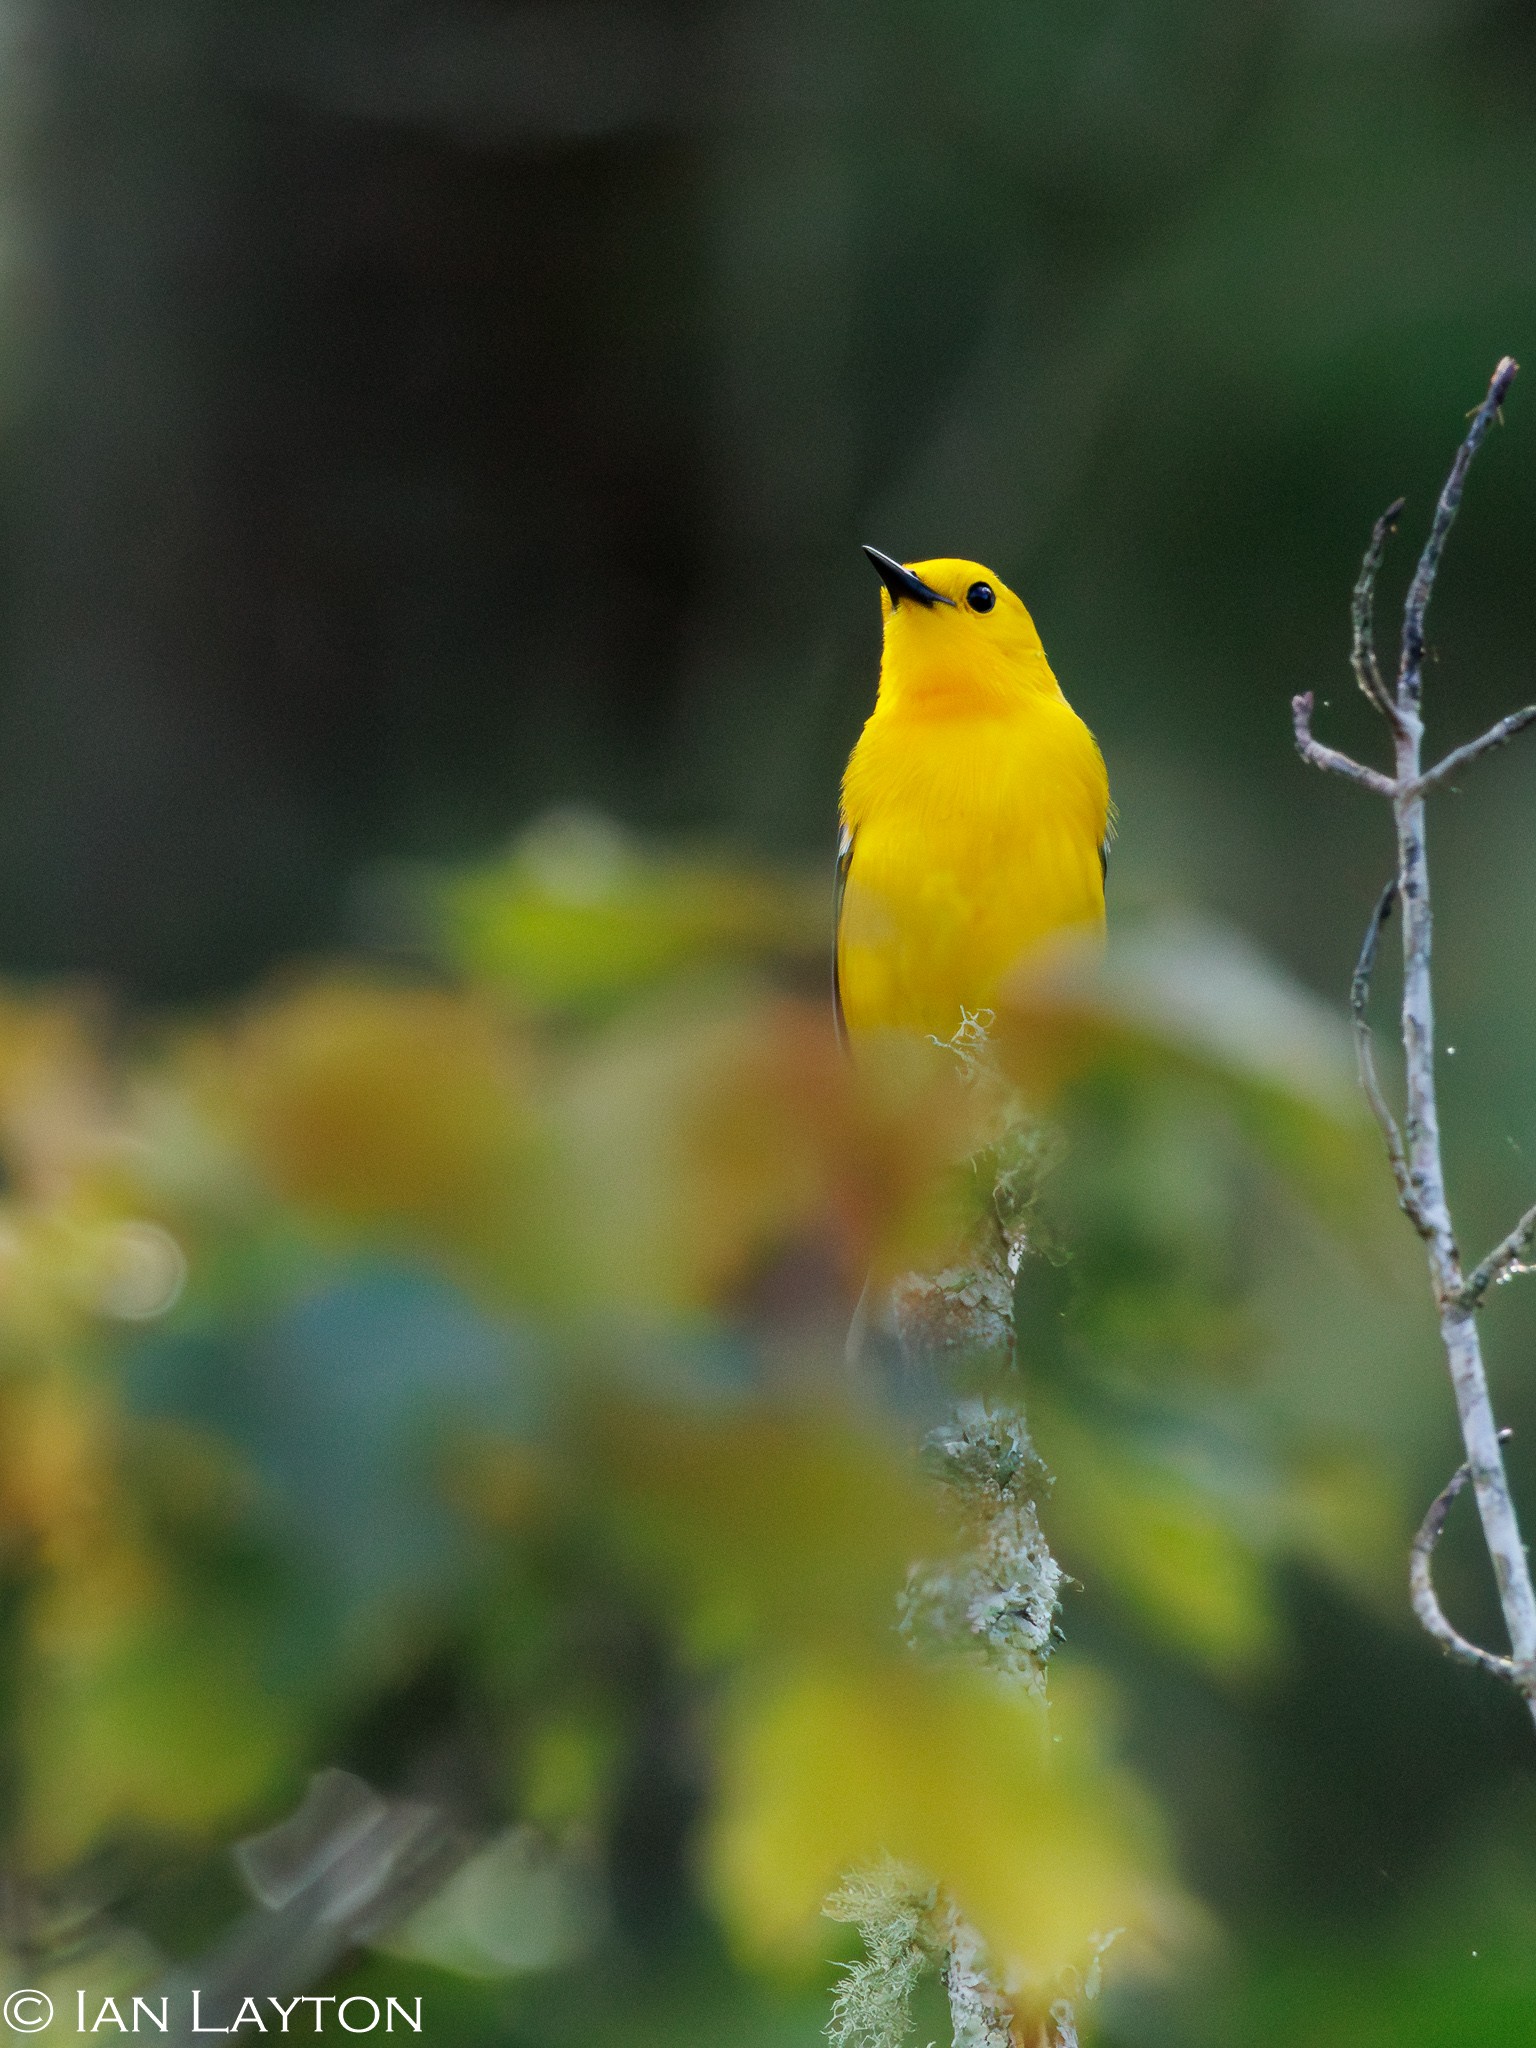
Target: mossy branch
994, 1598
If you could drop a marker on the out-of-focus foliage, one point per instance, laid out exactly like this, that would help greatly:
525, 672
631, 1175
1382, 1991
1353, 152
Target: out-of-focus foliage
1206, 1097
829, 1764
578, 916
379, 1106
445, 1357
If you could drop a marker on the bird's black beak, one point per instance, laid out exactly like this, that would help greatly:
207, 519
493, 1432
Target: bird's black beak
902, 583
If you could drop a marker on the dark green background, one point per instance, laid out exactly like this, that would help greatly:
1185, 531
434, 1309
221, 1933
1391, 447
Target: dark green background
417, 415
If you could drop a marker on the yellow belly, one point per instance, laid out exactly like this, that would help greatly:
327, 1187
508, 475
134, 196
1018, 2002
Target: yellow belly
974, 841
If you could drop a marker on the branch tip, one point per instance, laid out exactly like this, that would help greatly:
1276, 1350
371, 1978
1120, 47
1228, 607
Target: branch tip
1410, 666
1501, 1263
1461, 757
1329, 759
1362, 651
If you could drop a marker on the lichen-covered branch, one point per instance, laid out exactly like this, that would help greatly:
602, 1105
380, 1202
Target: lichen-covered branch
1416, 1153
894, 1910
994, 1597
997, 1596
979, 2015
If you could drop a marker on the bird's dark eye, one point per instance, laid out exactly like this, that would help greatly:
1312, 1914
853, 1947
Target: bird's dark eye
981, 597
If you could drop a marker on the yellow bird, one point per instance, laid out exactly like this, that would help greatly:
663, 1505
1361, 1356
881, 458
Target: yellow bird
975, 813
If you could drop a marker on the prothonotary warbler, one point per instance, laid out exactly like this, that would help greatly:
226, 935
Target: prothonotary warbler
975, 812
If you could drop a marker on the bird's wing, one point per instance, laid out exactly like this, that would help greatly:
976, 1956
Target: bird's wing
1112, 819
839, 889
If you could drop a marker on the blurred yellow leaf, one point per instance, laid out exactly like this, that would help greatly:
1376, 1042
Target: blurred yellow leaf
378, 1103
829, 1763
1164, 1545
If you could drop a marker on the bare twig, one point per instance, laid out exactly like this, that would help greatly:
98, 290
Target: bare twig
1365, 1055
1503, 1260
1421, 1174
1332, 762
1421, 1586
1362, 653
1410, 669
1328, 758
1496, 736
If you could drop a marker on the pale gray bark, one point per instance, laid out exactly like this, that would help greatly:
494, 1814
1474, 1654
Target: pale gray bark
978, 2013
1422, 1586
1415, 1152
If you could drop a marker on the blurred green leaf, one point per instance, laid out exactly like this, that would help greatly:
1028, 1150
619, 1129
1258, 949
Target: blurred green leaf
762, 1527
1188, 1561
578, 915
522, 1903
1183, 999
164, 1727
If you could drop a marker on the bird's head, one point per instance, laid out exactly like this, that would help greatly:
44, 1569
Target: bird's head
954, 628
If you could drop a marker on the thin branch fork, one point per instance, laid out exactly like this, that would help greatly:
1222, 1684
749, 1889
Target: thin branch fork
1332, 762
1414, 1151
1421, 1585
